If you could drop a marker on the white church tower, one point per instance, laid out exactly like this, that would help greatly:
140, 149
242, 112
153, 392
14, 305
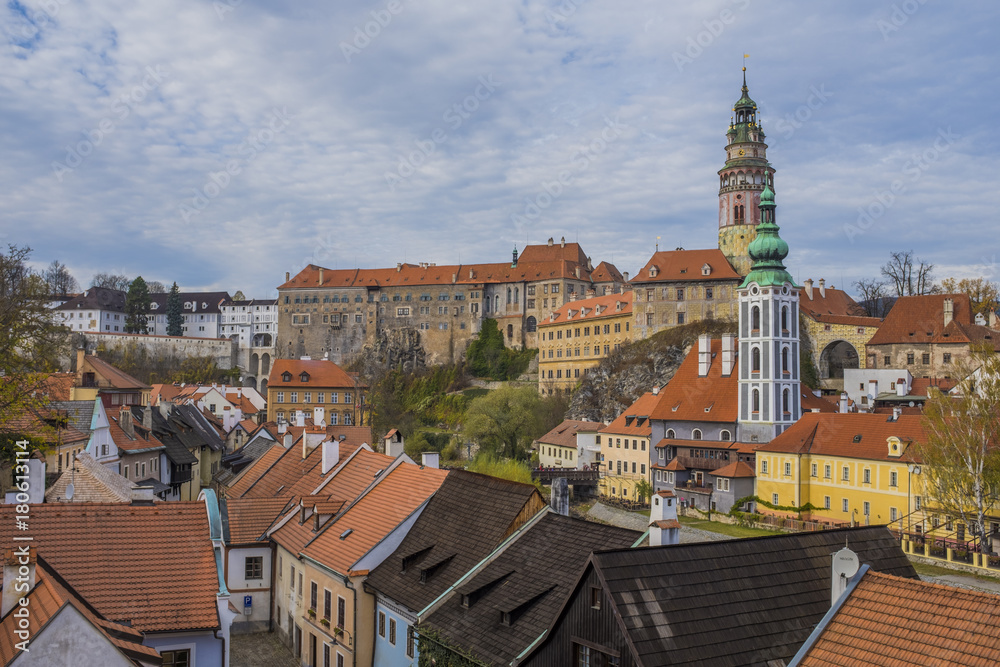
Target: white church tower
770, 395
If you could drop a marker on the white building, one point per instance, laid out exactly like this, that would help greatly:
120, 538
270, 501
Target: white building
96, 310
254, 324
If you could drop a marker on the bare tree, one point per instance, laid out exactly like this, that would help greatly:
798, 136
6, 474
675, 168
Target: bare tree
59, 279
874, 301
111, 281
156, 287
909, 276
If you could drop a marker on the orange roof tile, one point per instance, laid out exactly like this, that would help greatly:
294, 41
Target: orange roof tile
556, 252
254, 471
888, 620
835, 435
688, 397
564, 435
51, 595
152, 565
370, 519
920, 319
606, 273
116, 377
921, 386
165, 392
834, 306
734, 469
248, 518
142, 440
321, 373
57, 386
635, 420
813, 403
594, 308
686, 265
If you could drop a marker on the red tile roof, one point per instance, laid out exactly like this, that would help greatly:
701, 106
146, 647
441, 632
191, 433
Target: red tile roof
50, 595
374, 516
898, 622
564, 435
322, 374
835, 434
152, 565
57, 386
249, 518
921, 386
635, 420
557, 252
920, 319
834, 307
118, 379
688, 397
734, 469
606, 273
594, 308
813, 403
142, 440
686, 265
254, 471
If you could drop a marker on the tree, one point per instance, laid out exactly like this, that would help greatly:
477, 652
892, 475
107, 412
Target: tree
984, 294
961, 452
874, 299
504, 422
137, 303
488, 357
239, 296
643, 489
59, 280
111, 281
175, 312
156, 287
909, 276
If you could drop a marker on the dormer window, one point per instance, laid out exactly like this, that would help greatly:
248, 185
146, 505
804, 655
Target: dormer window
304, 377
706, 270
286, 377
653, 270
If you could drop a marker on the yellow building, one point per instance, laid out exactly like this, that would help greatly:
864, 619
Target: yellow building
625, 447
315, 387
852, 468
577, 336
561, 448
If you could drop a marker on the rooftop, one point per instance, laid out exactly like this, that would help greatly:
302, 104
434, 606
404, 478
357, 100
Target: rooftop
564, 435
850, 435
689, 397
686, 266
314, 373
635, 420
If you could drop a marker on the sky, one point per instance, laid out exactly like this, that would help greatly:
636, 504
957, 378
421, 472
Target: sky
222, 143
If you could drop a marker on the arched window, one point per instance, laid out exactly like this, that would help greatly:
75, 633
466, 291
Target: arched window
508, 296
517, 295
755, 318
755, 360
497, 304
696, 434
784, 360
725, 436
785, 400
671, 434
510, 331
739, 214
784, 318
756, 400
531, 324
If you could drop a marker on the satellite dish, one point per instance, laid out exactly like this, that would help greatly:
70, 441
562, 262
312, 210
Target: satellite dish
70, 491
845, 563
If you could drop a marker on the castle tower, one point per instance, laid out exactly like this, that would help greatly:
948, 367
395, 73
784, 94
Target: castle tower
769, 383
741, 181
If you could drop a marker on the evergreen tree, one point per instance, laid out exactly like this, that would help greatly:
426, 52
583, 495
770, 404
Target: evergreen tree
175, 312
137, 303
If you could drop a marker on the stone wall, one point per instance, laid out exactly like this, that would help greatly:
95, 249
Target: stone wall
223, 351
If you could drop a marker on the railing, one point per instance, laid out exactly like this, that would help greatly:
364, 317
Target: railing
571, 474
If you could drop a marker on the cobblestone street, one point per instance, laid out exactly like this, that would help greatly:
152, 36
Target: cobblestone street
260, 649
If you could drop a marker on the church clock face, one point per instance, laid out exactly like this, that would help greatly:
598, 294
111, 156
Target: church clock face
742, 152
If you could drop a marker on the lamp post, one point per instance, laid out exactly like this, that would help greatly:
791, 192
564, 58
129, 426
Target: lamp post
911, 469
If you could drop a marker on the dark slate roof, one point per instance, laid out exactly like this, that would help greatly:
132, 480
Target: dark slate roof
192, 302
468, 517
538, 570
738, 602
175, 436
80, 413
97, 298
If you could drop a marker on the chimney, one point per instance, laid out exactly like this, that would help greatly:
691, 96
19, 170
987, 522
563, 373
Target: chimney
282, 426
704, 354
808, 285
843, 402
664, 528
311, 439
728, 354
142, 495
287, 276
165, 407
300, 418
331, 454
321, 276
901, 387
822, 288
394, 448
472, 274
578, 273
896, 412
430, 460
147, 418
559, 500
656, 391
81, 352
125, 421
625, 275
549, 242
319, 416
949, 311
36, 478
562, 242
399, 267
288, 440
18, 570
454, 277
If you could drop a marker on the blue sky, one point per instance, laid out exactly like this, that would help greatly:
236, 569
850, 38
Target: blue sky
223, 143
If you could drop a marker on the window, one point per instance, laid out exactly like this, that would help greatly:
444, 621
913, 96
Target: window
892, 514
755, 360
909, 357
341, 612
334, 397
826, 471
281, 397
925, 358
696, 434
295, 397
583, 657
947, 357
596, 595
843, 505
755, 318
886, 361
326, 655
680, 318
788, 469
916, 502
313, 595
725, 436
680, 293
253, 567
826, 502
763, 467
392, 631
327, 604
846, 474
181, 658
867, 508
814, 469
867, 476
774, 498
